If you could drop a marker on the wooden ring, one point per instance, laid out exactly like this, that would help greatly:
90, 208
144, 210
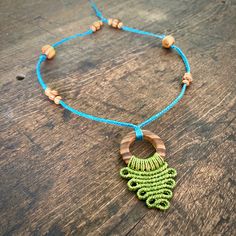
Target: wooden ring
154, 139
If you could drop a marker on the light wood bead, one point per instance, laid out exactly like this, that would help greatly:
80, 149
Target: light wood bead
115, 23
47, 92
110, 21
50, 93
51, 97
187, 79
96, 26
54, 92
120, 25
57, 100
49, 51
93, 28
168, 41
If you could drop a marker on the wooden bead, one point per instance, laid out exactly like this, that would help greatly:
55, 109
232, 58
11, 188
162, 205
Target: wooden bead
50, 93
168, 41
54, 92
115, 23
49, 51
96, 26
47, 92
187, 79
120, 25
154, 139
93, 28
51, 97
57, 100
110, 21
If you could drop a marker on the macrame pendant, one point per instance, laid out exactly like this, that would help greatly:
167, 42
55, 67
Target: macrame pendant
151, 178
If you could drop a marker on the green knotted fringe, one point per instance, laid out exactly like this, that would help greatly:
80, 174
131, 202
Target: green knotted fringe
152, 179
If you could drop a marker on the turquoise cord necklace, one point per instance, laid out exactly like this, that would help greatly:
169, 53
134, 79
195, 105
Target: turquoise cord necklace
150, 178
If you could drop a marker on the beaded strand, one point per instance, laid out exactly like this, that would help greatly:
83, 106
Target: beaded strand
168, 42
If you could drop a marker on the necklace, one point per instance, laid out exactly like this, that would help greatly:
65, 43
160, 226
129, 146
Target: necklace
151, 178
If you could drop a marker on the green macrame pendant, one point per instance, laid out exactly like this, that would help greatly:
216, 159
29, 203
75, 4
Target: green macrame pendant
152, 179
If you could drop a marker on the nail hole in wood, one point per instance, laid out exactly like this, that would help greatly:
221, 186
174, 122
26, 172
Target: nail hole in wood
20, 77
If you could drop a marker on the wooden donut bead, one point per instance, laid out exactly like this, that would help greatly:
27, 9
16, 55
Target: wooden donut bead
187, 79
120, 25
57, 100
96, 26
115, 23
110, 21
154, 139
47, 92
51, 97
54, 92
93, 28
168, 41
49, 51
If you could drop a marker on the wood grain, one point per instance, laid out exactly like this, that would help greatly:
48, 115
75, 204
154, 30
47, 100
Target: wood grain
60, 173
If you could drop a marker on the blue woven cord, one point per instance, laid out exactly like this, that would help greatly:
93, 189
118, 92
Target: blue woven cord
38, 67
166, 109
137, 128
72, 37
98, 13
184, 58
136, 31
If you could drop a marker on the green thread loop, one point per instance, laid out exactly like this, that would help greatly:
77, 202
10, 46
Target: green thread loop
152, 179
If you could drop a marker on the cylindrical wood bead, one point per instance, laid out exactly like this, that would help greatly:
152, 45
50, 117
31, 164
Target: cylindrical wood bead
115, 23
110, 21
187, 79
120, 25
168, 41
93, 28
57, 100
96, 26
49, 51
47, 92
51, 97
54, 92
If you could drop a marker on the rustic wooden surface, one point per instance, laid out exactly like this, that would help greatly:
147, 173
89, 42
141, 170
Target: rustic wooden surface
59, 172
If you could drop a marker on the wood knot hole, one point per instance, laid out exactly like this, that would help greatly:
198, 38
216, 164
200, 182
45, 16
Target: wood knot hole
20, 77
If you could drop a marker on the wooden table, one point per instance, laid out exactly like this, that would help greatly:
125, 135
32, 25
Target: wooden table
60, 173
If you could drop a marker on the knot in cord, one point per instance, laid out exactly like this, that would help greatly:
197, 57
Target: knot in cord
139, 133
